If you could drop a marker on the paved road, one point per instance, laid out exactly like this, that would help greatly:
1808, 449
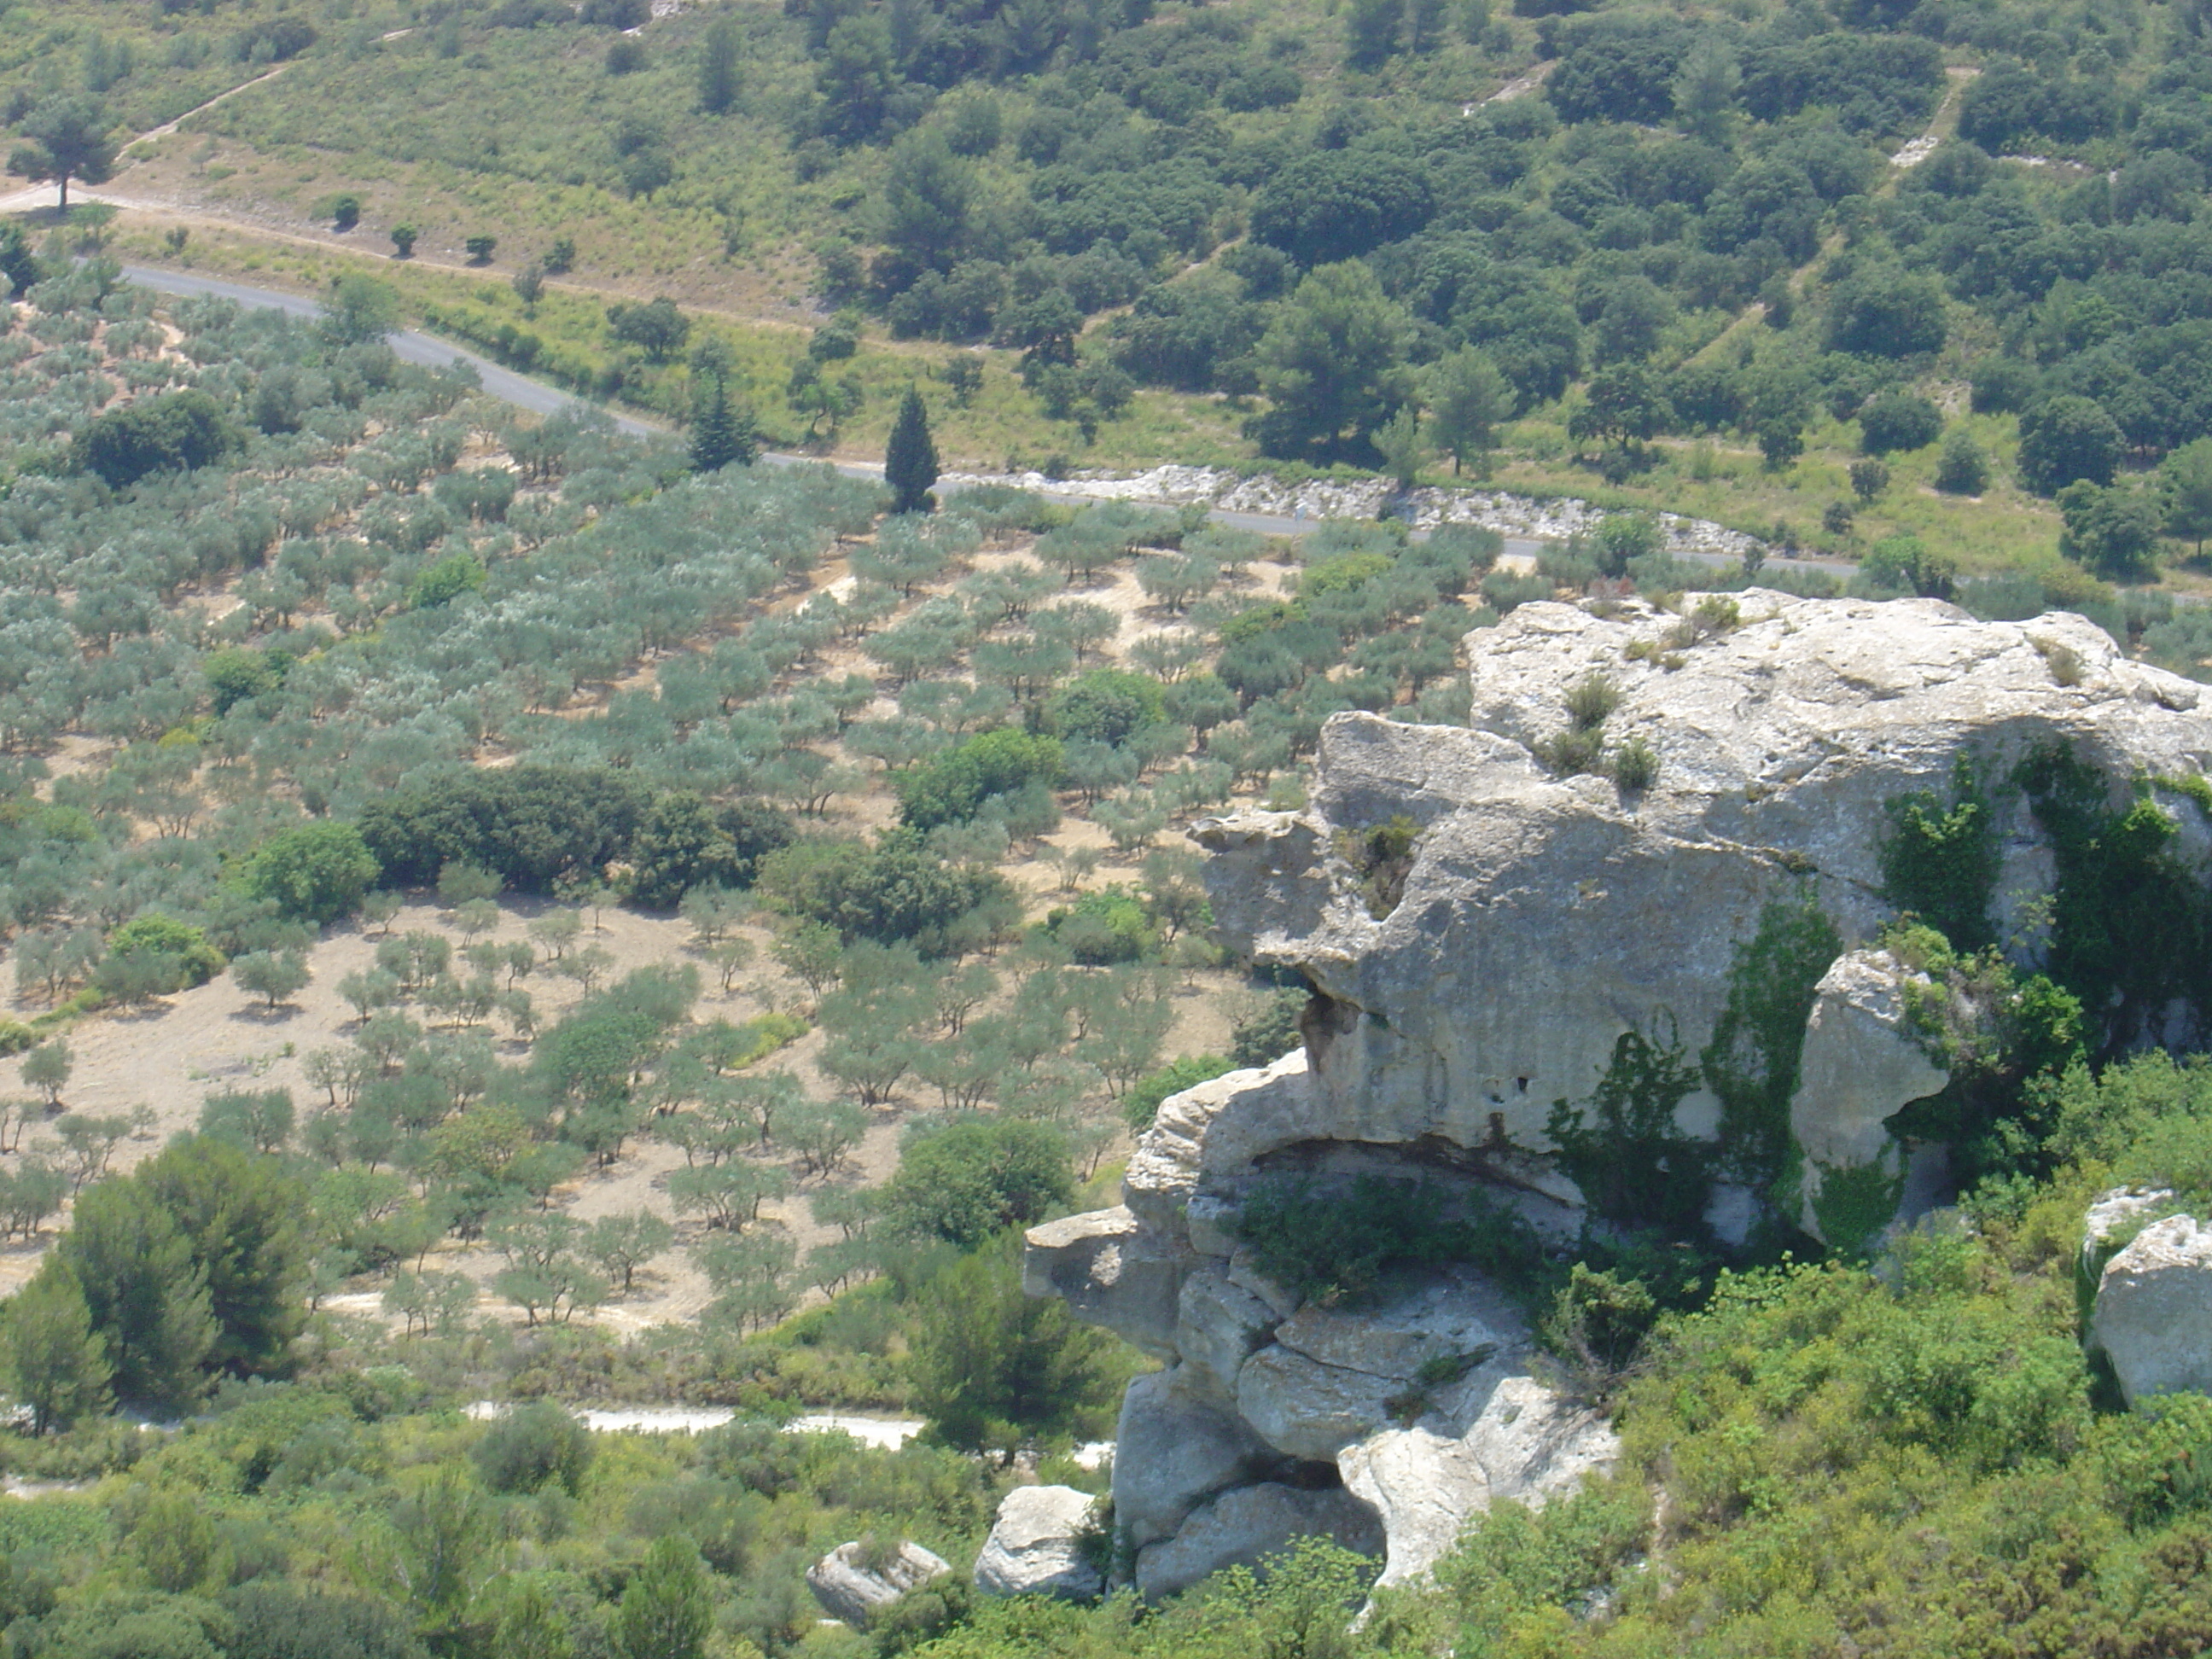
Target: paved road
409, 345
538, 397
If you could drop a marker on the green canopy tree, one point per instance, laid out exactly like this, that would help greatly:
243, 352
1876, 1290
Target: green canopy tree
55, 1362
64, 137
1331, 363
666, 1611
2185, 482
717, 66
994, 1367
1467, 398
147, 1298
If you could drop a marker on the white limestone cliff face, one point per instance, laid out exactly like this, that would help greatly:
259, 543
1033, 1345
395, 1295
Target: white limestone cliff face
1542, 916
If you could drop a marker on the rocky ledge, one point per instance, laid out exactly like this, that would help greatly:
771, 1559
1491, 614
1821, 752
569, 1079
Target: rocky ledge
1481, 914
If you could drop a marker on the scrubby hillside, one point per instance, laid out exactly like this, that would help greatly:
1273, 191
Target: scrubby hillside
1711, 260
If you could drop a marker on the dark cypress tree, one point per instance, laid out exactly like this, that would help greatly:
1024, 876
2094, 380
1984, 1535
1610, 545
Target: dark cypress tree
910, 462
717, 67
722, 433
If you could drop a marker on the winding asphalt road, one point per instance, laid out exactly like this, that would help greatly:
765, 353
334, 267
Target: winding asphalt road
414, 347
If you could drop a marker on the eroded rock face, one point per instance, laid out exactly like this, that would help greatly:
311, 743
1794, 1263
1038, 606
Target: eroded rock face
1861, 1063
1175, 1446
1426, 1485
852, 1588
1543, 914
1034, 1549
2153, 1311
1244, 1526
1540, 916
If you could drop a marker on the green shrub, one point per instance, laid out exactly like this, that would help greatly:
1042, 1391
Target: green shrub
149, 934
1382, 854
970, 1180
894, 892
527, 824
1104, 705
1342, 572
955, 786
1941, 863
1635, 764
532, 1447
316, 872
688, 841
1105, 925
443, 582
173, 430
1752, 1062
1621, 1146
1331, 1244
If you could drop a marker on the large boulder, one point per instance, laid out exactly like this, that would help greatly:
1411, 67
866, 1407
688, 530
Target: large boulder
1427, 1484
1036, 1545
1245, 1525
1862, 1062
2113, 1217
1172, 1448
856, 1584
1333, 1374
2153, 1311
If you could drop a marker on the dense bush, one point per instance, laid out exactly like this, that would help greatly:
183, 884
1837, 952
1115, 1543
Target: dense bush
1896, 421
533, 1447
527, 824
963, 780
686, 841
896, 891
316, 872
968, 1181
176, 430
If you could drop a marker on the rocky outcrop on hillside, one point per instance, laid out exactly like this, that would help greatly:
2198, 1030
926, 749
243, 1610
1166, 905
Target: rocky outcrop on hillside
1037, 1546
2153, 1317
857, 1583
1665, 826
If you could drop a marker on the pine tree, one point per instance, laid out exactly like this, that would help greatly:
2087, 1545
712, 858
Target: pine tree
722, 434
910, 461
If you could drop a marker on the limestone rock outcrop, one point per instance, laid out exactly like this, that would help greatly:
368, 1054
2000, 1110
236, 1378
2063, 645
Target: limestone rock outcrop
2119, 1211
1525, 1444
1244, 1526
1861, 1062
1542, 914
2153, 1310
1463, 992
852, 1585
1036, 1545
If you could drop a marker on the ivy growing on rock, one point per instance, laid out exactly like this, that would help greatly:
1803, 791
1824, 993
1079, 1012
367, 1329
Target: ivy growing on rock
1622, 1147
1752, 1062
2129, 923
1940, 862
